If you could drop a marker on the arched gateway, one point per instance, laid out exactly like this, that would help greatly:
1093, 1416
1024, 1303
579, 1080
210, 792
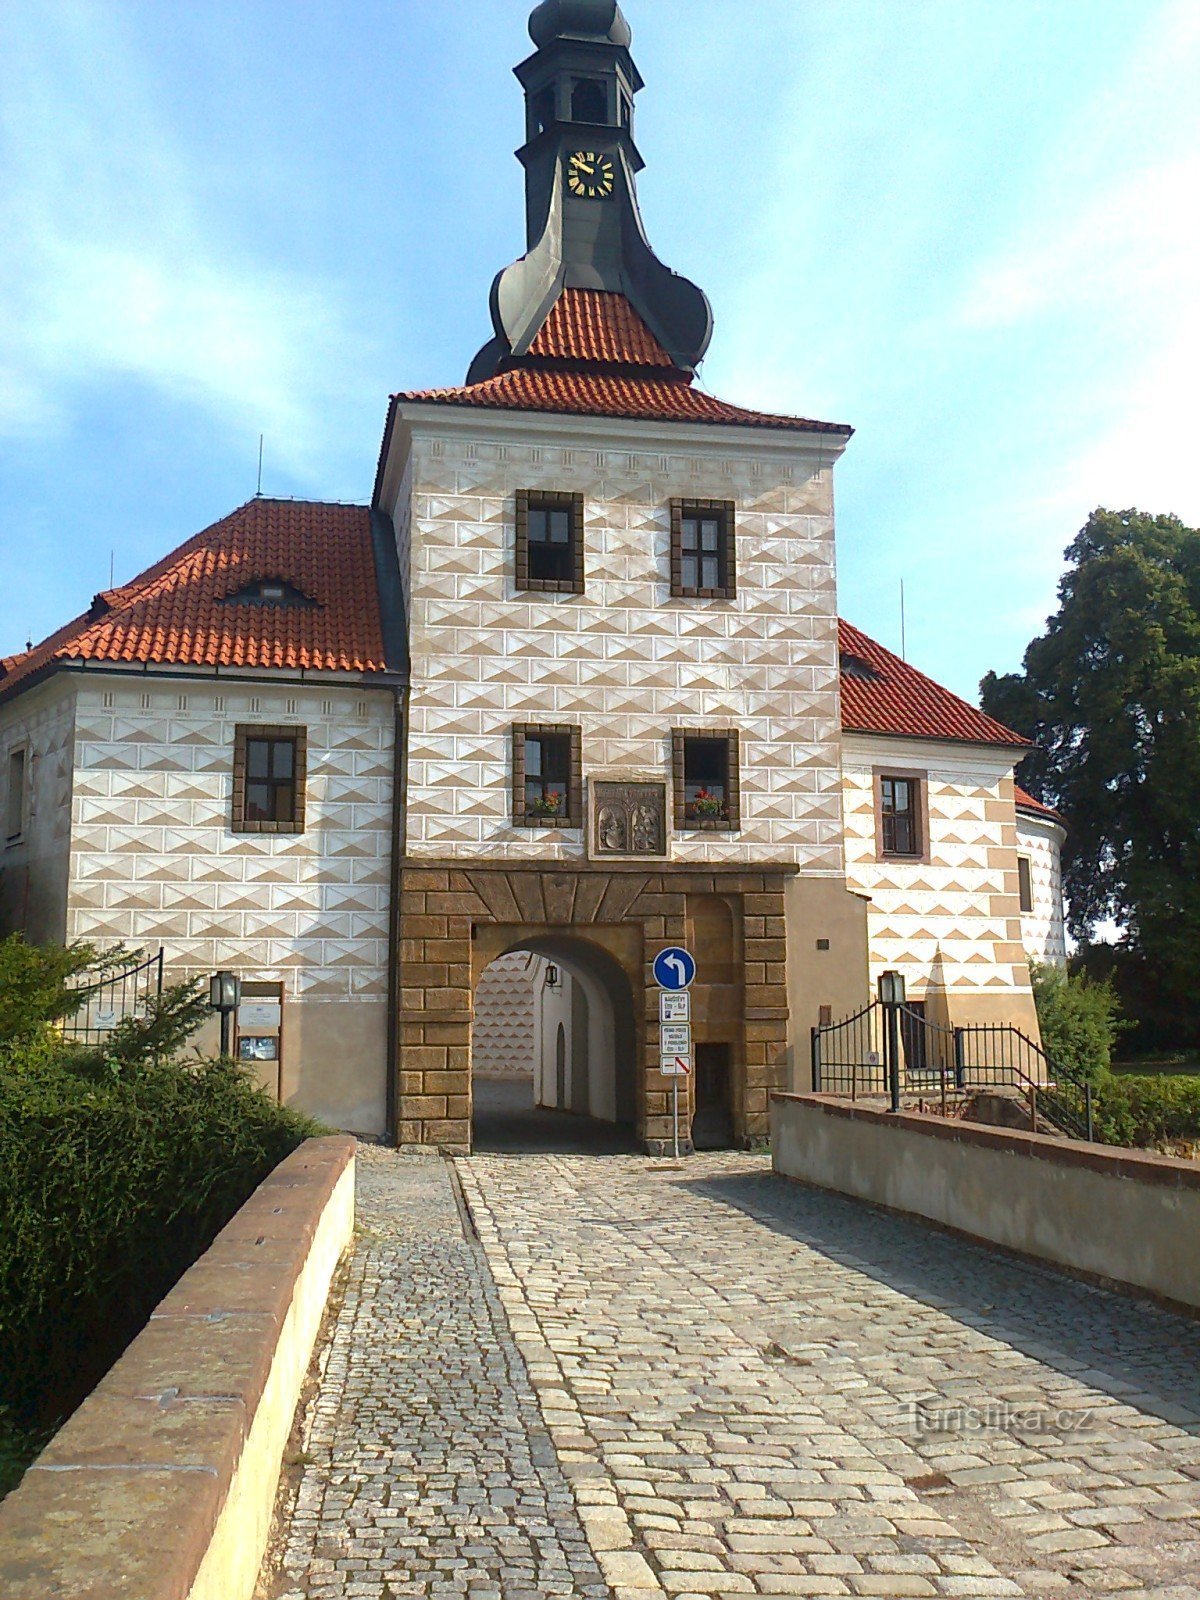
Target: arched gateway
607, 922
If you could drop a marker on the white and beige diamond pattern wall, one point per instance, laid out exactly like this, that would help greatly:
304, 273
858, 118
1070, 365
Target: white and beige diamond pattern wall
951, 924
625, 660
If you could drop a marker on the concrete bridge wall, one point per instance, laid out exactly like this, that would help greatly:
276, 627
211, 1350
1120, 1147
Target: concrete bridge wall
1122, 1216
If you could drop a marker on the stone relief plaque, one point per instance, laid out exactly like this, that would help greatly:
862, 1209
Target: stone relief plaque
629, 819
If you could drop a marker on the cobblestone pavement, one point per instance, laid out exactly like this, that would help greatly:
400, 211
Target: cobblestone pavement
705, 1381
428, 1468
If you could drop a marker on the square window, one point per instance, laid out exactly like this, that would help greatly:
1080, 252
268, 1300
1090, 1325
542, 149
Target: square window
547, 777
706, 781
549, 550
269, 769
702, 549
899, 815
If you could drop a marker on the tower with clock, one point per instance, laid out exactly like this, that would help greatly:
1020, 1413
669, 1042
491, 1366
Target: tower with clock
584, 228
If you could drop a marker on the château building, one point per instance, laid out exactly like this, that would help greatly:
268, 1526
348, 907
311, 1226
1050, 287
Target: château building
572, 688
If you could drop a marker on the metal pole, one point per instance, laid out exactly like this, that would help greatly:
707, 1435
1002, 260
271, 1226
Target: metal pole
226, 1033
1089, 1106
893, 1038
675, 1112
816, 1060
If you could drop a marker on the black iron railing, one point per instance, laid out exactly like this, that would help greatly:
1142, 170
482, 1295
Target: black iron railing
126, 992
892, 1049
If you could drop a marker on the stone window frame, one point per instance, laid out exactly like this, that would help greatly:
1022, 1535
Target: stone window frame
732, 821
21, 810
920, 782
298, 735
1025, 897
573, 816
554, 500
727, 510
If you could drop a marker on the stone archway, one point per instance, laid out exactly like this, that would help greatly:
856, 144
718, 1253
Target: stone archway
456, 918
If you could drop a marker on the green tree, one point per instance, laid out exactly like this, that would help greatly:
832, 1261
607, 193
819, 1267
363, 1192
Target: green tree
1111, 695
1078, 1020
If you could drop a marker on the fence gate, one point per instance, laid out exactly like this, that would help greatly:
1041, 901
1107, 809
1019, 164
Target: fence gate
894, 1049
126, 993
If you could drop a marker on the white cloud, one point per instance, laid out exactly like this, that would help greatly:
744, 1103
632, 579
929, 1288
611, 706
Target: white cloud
112, 269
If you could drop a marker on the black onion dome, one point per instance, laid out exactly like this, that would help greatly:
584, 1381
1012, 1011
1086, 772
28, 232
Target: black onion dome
579, 19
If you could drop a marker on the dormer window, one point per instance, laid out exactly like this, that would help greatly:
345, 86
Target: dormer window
855, 667
269, 592
589, 100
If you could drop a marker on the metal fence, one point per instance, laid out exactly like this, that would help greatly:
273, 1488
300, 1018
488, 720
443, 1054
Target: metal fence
127, 992
891, 1049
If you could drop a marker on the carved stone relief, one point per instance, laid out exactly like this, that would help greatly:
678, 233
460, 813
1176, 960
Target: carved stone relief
629, 819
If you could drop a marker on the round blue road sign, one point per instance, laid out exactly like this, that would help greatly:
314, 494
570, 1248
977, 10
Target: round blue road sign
674, 968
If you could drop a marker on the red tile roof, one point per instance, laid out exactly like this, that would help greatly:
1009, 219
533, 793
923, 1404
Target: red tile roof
597, 326
607, 395
177, 612
1026, 802
883, 694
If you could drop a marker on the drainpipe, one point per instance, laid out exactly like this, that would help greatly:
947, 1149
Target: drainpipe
399, 845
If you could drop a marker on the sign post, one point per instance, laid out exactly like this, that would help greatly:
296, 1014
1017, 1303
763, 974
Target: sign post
675, 972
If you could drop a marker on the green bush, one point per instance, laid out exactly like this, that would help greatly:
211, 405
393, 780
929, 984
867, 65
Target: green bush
118, 1166
1079, 1022
1147, 1113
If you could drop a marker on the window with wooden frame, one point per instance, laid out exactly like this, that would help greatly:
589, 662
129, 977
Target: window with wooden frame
270, 766
707, 785
549, 542
703, 564
14, 799
547, 776
1025, 884
898, 802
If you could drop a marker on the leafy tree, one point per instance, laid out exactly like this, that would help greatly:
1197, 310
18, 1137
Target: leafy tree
1078, 1020
1111, 695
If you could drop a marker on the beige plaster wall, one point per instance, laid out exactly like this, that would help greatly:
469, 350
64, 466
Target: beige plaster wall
1043, 929
33, 871
822, 912
1023, 1191
624, 661
951, 923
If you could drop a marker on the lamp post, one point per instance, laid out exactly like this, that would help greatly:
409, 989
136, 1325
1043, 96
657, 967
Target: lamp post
891, 998
224, 997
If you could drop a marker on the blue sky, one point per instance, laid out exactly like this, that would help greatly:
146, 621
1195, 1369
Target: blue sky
968, 227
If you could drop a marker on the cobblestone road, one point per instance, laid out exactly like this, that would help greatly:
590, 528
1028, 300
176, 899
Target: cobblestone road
724, 1384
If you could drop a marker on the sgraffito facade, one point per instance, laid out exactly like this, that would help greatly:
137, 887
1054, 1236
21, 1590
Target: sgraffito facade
571, 688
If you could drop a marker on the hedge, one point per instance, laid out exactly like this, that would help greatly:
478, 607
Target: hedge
112, 1182
1147, 1112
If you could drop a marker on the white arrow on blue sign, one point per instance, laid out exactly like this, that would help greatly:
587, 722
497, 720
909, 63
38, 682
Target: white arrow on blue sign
674, 968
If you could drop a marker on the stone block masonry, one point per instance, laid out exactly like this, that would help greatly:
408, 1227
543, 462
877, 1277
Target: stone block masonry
456, 918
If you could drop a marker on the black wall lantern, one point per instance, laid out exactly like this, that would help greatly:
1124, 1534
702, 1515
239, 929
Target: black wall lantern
224, 997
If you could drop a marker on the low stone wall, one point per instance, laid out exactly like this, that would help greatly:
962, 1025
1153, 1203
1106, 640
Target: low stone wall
1119, 1215
162, 1485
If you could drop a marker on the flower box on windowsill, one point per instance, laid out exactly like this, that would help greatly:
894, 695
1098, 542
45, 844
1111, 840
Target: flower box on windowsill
706, 811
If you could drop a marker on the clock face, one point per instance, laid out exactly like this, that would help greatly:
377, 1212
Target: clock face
591, 175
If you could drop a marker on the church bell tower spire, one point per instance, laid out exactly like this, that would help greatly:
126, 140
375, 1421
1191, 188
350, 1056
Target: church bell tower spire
583, 223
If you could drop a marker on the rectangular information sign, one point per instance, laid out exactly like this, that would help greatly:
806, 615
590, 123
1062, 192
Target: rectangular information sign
674, 1007
676, 1039
676, 1066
